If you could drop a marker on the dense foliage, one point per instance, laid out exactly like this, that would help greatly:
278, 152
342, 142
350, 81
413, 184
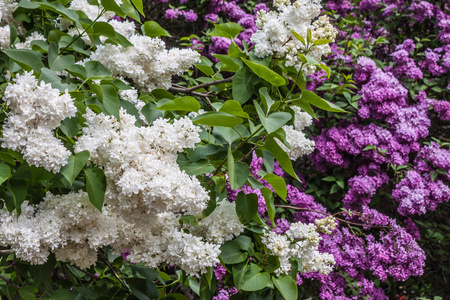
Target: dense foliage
287, 150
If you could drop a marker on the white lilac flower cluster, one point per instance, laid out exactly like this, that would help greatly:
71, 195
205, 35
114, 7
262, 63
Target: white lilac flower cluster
221, 225
148, 64
34, 112
6, 9
300, 145
274, 36
146, 196
147, 189
301, 241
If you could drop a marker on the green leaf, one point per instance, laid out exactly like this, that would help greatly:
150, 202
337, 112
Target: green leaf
238, 271
28, 292
265, 73
326, 69
12, 33
5, 172
233, 108
41, 273
28, 59
278, 184
193, 284
62, 294
228, 30
246, 207
287, 286
243, 85
58, 62
105, 29
69, 126
265, 97
298, 37
77, 70
95, 70
306, 107
74, 165
315, 100
245, 243
321, 42
237, 172
186, 103
254, 280
139, 6
96, 186
197, 168
109, 97
273, 263
268, 198
18, 190
231, 253
283, 159
111, 5
152, 29
274, 121
217, 119
228, 64
143, 289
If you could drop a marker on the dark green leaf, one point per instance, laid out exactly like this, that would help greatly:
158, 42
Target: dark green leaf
268, 198
28, 59
238, 274
28, 292
283, 159
254, 280
246, 207
96, 186
143, 289
18, 190
231, 253
243, 85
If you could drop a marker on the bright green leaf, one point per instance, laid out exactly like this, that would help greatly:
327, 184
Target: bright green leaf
265, 73
75, 165
287, 286
186, 103
5, 172
153, 29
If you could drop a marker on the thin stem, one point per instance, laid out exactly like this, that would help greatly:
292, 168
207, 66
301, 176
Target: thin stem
105, 259
9, 282
79, 36
234, 150
191, 90
327, 214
